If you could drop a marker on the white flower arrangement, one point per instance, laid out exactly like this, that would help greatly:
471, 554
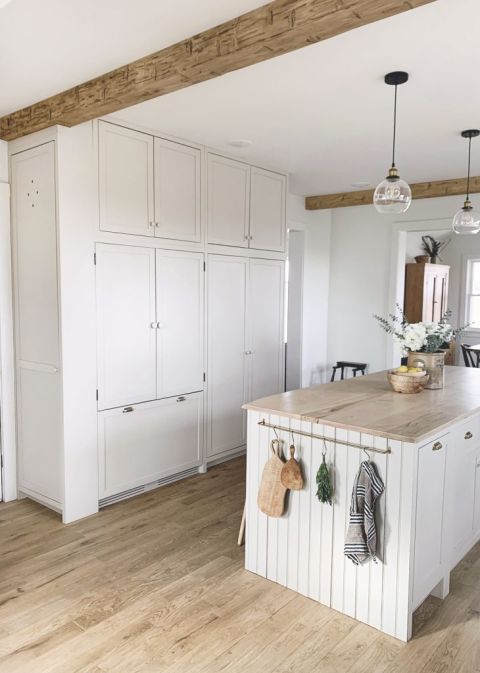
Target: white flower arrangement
427, 337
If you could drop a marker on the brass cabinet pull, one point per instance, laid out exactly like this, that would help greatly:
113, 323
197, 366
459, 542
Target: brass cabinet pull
437, 446
468, 435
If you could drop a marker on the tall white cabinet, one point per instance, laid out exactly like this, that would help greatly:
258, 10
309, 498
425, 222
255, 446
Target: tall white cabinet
245, 343
37, 329
149, 285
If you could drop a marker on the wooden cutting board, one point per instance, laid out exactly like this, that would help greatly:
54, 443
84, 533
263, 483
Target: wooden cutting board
271, 495
291, 475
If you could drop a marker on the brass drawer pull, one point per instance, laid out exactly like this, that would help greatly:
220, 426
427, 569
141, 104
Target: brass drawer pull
437, 446
127, 410
468, 435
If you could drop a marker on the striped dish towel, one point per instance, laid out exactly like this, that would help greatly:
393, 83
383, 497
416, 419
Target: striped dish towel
361, 539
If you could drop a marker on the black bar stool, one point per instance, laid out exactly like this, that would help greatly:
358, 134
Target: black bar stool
345, 364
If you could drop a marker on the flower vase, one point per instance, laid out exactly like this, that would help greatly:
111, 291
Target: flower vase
434, 363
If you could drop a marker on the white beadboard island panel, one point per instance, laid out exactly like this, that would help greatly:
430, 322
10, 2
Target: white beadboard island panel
303, 549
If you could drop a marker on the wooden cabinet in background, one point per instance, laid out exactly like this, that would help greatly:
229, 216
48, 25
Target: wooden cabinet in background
426, 292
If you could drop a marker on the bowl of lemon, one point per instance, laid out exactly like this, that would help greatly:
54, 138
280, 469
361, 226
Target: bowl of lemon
408, 380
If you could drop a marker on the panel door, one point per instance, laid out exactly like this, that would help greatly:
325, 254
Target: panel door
180, 291
228, 187
125, 180
227, 278
126, 325
142, 443
267, 210
429, 518
476, 513
177, 191
37, 345
265, 327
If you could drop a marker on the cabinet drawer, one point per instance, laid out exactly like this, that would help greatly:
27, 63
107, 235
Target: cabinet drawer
468, 435
141, 443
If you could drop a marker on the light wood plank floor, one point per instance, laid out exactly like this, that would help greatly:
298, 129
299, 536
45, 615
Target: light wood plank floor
156, 585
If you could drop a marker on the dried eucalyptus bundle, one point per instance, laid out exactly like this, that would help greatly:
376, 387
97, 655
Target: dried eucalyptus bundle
324, 484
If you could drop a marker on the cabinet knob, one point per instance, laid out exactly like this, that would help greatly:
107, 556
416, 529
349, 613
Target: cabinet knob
181, 399
248, 352
437, 446
151, 224
154, 325
127, 410
468, 435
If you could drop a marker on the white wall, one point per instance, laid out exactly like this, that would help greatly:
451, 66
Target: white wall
316, 225
365, 247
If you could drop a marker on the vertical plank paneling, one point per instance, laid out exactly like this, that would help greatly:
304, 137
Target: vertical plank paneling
304, 449
354, 458
303, 549
263, 453
315, 564
251, 520
273, 552
362, 607
391, 541
340, 514
282, 524
405, 541
377, 569
326, 533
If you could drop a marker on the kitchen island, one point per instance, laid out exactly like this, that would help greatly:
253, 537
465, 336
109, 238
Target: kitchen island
426, 449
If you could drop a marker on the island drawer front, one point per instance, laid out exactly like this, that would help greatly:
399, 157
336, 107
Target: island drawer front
468, 434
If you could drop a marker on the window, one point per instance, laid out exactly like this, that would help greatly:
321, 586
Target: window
472, 294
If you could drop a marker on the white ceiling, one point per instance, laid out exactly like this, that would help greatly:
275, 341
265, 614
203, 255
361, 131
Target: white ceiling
321, 113
47, 46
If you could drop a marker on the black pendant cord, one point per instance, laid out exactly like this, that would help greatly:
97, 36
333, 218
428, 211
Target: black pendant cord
468, 172
394, 126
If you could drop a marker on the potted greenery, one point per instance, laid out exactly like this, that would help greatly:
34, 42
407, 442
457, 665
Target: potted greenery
422, 342
432, 248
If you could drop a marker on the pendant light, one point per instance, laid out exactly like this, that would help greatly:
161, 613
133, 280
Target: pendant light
393, 195
467, 220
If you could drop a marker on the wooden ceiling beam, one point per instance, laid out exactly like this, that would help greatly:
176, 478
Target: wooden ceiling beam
277, 28
420, 190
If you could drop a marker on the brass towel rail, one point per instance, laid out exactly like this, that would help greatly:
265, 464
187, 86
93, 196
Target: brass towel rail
364, 447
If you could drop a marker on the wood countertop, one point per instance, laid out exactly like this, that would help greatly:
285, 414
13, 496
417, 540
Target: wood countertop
368, 404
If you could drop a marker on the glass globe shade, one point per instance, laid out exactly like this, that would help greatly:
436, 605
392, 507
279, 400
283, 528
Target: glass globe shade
466, 221
393, 195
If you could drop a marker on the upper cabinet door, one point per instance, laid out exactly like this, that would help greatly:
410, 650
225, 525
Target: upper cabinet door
227, 201
267, 210
125, 180
265, 327
126, 325
180, 289
177, 191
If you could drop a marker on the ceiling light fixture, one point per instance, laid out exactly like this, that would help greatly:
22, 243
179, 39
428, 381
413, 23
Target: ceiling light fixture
467, 220
240, 142
393, 195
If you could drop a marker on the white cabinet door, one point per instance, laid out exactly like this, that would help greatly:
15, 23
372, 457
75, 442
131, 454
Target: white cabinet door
180, 289
429, 518
125, 325
177, 191
265, 327
228, 187
142, 443
125, 180
38, 376
461, 478
476, 512
226, 380
267, 210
